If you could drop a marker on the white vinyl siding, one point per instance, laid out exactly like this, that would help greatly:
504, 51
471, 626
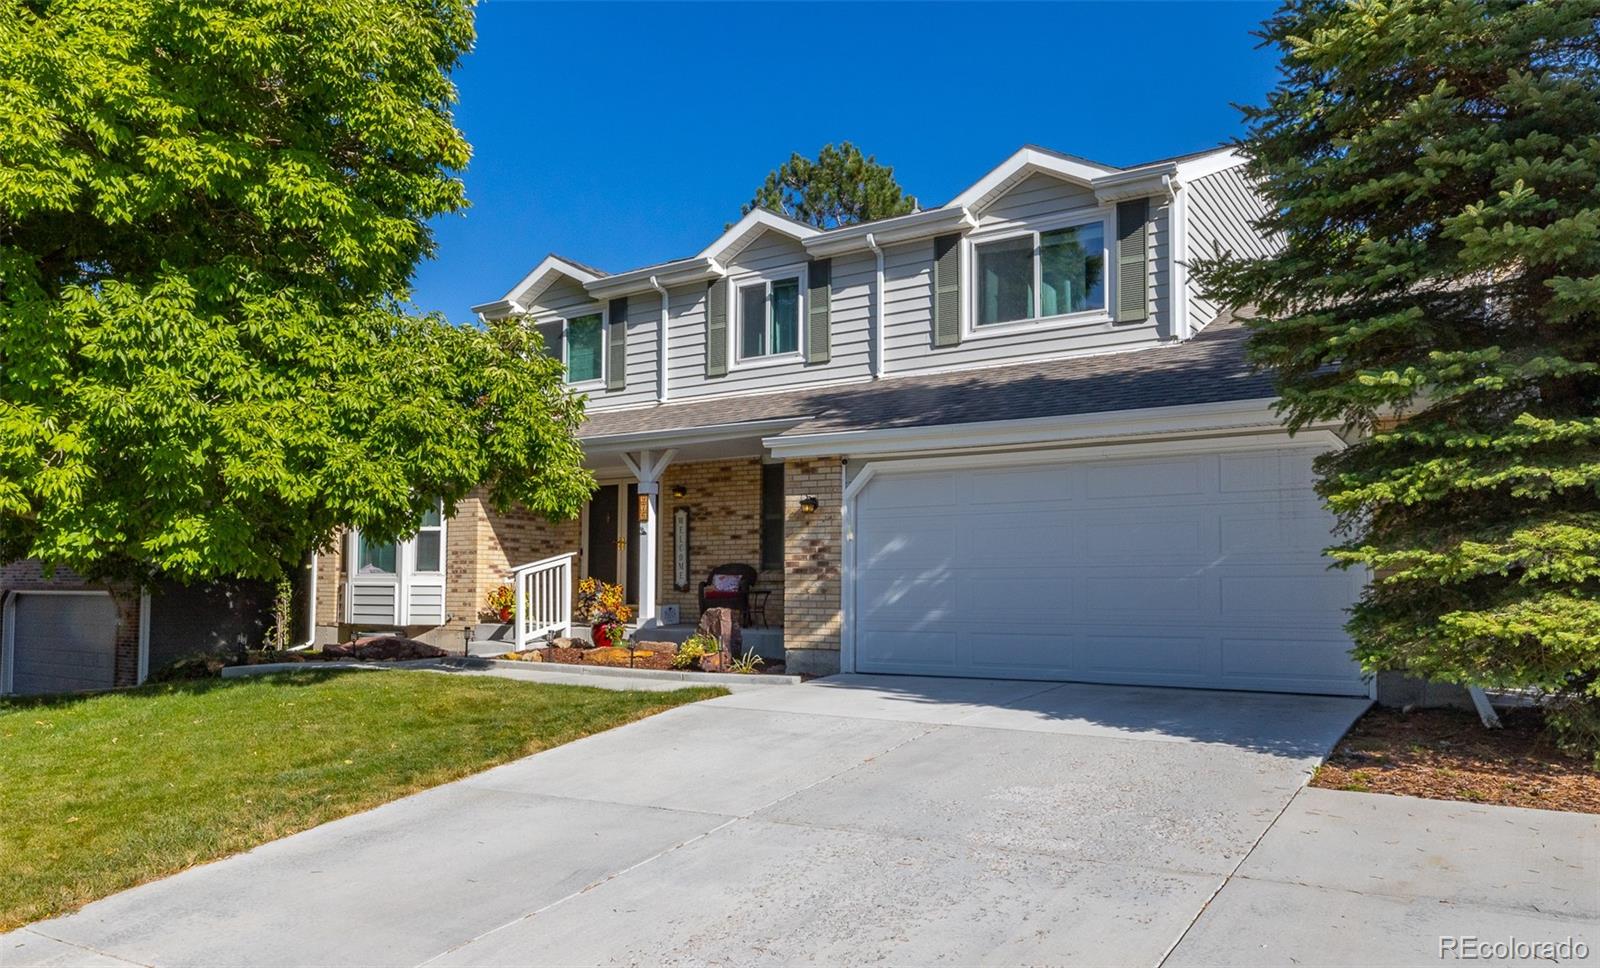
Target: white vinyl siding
908, 272
1220, 207
849, 324
567, 298
401, 583
907, 300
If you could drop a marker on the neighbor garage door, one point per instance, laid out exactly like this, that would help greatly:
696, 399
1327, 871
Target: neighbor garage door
1199, 569
61, 643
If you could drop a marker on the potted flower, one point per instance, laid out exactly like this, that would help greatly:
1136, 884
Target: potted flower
604, 607
501, 600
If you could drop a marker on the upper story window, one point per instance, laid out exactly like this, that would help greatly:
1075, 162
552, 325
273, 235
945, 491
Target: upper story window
1038, 274
768, 322
585, 348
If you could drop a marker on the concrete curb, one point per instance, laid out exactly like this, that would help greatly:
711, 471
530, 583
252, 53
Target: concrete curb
605, 672
317, 665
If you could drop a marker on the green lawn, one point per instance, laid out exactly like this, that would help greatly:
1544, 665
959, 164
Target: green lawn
99, 793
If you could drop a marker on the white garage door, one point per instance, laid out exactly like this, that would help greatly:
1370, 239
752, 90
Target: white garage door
1186, 570
61, 643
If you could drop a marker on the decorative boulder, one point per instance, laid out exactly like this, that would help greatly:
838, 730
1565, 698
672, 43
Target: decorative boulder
722, 624
385, 648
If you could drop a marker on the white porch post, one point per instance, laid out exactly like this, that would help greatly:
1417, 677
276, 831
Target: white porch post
648, 472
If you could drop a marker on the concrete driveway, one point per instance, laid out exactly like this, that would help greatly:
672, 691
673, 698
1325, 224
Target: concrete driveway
851, 820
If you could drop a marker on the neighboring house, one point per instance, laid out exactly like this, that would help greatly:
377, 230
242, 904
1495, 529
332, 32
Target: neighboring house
1004, 437
63, 634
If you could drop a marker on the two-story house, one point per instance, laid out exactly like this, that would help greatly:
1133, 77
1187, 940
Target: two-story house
1005, 437
1008, 437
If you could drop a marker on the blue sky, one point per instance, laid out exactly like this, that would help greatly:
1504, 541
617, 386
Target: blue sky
621, 134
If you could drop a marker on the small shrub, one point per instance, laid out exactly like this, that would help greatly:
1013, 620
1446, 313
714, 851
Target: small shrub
197, 665
1575, 721
747, 665
693, 648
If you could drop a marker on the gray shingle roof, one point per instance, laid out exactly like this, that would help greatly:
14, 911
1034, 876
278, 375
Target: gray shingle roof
1210, 368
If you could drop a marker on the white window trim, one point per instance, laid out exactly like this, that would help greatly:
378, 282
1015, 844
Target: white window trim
405, 572
797, 271
599, 382
970, 327
412, 542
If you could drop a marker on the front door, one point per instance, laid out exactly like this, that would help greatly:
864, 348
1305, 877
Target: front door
605, 536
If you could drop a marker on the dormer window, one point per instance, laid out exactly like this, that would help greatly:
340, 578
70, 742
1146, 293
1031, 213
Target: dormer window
1040, 274
768, 318
585, 343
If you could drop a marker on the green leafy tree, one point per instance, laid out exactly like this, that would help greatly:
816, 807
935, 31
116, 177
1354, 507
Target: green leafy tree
209, 214
840, 187
1433, 172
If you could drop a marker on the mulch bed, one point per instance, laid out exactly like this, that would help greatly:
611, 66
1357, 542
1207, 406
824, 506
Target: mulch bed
660, 658
1447, 754
608, 657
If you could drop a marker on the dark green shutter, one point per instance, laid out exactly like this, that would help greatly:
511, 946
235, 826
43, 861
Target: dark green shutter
717, 329
819, 279
617, 345
1133, 276
947, 290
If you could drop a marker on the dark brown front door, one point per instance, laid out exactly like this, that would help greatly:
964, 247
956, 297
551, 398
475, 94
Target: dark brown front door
603, 550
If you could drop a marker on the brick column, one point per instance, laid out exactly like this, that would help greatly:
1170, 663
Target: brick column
813, 565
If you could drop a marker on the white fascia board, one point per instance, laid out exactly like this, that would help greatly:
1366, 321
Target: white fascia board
525, 292
1135, 183
668, 274
757, 220
1209, 164
710, 433
1025, 162
494, 309
891, 231
1233, 416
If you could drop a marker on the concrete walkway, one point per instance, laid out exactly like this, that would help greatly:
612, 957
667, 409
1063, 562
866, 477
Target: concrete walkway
860, 820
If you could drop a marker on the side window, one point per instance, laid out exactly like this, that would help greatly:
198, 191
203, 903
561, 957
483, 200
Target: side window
768, 321
585, 346
430, 543
1038, 275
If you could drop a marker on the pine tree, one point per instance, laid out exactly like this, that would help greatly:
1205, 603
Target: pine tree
1433, 173
841, 187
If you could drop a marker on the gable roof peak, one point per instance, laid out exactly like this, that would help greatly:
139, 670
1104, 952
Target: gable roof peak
754, 222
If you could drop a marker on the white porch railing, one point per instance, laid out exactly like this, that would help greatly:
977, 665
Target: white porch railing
543, 593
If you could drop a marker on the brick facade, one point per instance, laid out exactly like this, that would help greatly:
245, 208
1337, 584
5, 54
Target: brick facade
481, 547
22, 576
724, 502
814, 564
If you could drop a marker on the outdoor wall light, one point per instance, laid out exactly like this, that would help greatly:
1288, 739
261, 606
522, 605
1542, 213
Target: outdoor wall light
809, 505
678, 490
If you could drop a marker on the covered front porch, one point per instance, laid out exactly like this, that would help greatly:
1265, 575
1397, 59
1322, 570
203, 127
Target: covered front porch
670, 509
